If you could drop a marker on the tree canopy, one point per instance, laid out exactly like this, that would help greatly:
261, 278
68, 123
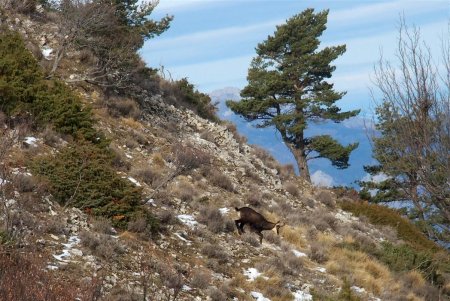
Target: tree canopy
413, 141
288, 88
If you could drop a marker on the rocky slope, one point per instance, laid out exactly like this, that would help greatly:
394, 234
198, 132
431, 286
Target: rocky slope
193, 172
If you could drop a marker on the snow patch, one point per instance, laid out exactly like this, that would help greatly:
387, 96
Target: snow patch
320, 269
302, 296
299, 254
224, 211
134, 181
358, 290
259, 297
31, 141
187, 219
186, 288
46, 52
68, 250
182, 238
151, 202
252, 273
52, 267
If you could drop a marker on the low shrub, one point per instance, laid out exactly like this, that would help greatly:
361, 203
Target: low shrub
272, 238
253, 197
219, 179
118, 159
23, 277
188, 157
81, 175
292, 189
101, 245
403, 257
125, 107
232, 128
215, 252
216, 295
318, 252
251, 239
181, 93
144, 223
184, 190
103, 225
326, 198
200, 279
214, 220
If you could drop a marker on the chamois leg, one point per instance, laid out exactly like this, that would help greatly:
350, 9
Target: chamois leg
260, 237
239, 226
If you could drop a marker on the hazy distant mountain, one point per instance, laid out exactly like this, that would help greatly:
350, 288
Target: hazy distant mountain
322, 172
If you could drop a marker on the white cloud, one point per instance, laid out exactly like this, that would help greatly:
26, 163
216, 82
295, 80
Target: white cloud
227, 113
214, 74
359, 123
322, 179
378, 178
174, 5
231, 33
383, 10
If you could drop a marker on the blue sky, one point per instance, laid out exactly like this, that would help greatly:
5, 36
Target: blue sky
211, 42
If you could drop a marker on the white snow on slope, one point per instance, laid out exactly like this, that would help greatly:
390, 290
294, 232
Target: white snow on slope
187, 219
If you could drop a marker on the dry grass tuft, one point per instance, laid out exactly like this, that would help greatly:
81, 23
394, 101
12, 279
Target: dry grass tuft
273, 288
250, 238
123, 107
214, 220
158, 160
292, 188
359, 269
151, 175
219, 179
201, 279
326, 198
215, 252
101, 245
184, 190
294, 235
253, 197
132, 123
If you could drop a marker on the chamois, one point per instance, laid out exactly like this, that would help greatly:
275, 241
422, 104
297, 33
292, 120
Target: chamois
256, 221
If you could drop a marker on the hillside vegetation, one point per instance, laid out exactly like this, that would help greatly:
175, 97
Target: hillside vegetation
113, 193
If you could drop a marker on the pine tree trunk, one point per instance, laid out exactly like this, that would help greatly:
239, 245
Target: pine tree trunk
302, 163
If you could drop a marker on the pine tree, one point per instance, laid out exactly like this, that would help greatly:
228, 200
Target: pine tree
287, 88
135, 15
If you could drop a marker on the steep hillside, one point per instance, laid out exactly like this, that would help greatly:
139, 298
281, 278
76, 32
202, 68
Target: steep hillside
161, 225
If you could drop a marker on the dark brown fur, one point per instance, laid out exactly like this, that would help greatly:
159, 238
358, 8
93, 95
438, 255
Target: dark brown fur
255, 220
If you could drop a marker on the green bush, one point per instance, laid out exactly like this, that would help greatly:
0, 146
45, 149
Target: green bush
404, 258
20, 76
23, 89
60, 107
81, 175
184, 94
